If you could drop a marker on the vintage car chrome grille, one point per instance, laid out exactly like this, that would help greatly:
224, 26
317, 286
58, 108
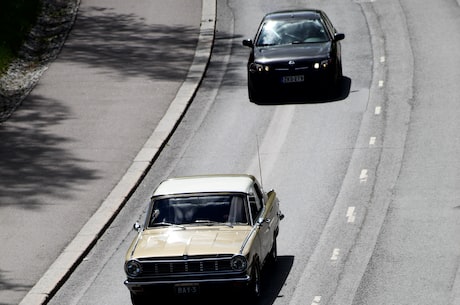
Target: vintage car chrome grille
160, 267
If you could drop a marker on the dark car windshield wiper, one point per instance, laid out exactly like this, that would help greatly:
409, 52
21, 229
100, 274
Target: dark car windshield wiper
298, 42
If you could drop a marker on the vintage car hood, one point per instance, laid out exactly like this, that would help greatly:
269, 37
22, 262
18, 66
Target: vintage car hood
265, 55
190, 241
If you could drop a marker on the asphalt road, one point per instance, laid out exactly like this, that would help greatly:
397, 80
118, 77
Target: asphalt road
76, 135
368, 181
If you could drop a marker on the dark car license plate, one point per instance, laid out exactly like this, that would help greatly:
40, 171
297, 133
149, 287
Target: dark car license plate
187, 289
292, 79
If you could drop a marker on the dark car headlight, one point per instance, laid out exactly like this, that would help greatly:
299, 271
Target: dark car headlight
239, 263
133, 268
324, 64
254, 67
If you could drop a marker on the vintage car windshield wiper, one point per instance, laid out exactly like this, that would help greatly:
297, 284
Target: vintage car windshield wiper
212, 223
167, 224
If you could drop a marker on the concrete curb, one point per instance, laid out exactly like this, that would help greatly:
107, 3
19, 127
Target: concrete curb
61, 269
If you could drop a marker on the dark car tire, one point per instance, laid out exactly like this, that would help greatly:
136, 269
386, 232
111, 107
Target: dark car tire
336, 81
253, 96
138, 299
255, 286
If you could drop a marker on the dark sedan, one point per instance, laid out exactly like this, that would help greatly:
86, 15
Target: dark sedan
293, 52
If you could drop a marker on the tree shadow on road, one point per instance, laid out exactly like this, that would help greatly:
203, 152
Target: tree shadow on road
7, 286
126, 44
31, 161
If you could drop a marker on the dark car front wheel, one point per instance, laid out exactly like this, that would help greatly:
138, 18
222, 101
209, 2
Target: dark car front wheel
254, 96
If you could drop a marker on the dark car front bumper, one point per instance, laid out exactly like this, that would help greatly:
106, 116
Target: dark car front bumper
287, 80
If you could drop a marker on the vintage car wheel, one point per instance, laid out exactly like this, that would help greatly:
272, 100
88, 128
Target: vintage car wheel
138, 299
254, 288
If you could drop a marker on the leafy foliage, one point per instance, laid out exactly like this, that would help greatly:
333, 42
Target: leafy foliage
16, 19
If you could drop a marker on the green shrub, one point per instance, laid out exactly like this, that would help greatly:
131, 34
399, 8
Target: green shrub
16, 19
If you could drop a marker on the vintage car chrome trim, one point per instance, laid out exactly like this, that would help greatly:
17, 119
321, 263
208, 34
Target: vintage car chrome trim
139, 234
245, 242
184, 259
130, 284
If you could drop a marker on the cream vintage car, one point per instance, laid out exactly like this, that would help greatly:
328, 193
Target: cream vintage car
203, 231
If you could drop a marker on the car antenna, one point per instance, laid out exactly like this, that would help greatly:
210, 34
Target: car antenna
260, 164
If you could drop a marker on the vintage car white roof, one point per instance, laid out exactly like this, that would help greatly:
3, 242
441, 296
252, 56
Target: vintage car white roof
205, 184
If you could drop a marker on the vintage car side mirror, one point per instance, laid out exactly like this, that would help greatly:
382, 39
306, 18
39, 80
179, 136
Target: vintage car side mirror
261, 220
137, 227
280, 215
248, 43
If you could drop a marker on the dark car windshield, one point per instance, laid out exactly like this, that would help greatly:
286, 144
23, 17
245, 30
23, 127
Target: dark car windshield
209, 209
280, 32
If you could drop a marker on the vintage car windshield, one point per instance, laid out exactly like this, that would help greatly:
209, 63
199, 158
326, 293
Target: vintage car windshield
206, 209
281, 32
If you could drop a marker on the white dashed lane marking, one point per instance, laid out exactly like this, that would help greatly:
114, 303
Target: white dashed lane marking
316, 300
351, 215
372, 141
363, 176
335, 254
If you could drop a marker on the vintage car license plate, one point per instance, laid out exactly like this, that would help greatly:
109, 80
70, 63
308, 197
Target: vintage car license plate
187, 289
293, 79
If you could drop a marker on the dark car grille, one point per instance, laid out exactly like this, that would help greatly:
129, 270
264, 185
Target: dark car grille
292, 69
299, 66
189, 265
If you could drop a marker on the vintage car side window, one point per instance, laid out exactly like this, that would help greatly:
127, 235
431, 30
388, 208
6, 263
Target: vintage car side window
255, 202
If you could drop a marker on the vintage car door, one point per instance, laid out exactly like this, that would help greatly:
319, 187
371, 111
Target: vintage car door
265, 226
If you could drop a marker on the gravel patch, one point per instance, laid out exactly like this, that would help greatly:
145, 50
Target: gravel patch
41, 47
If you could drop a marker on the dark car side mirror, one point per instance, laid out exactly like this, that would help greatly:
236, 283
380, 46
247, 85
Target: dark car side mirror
248, 43
339, 36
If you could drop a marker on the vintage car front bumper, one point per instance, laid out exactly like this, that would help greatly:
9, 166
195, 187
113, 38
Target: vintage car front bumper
140, 285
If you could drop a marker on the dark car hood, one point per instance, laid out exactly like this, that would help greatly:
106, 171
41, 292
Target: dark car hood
294, 52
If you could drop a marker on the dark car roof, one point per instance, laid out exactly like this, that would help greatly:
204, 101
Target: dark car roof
282, 15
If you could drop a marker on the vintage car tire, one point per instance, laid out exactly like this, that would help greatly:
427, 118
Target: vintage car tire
255, 286
138, 299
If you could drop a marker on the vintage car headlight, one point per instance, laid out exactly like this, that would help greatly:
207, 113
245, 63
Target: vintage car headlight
239, 263
133, 268
253, 67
